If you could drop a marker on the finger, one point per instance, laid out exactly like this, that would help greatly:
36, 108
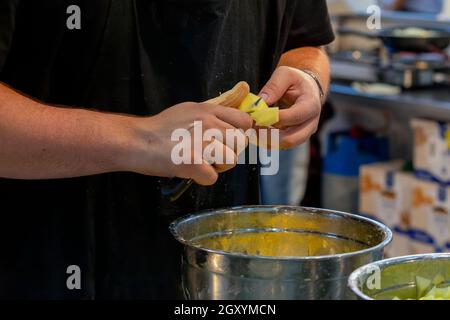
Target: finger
294, 136
234, 117
233, 138
203, 174
216, 129
227, 161
302, 111
221, 157
267, 138
282, 79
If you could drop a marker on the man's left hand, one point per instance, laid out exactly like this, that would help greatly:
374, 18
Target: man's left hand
298, 96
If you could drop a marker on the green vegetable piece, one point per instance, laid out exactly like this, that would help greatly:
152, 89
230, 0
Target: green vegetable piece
438, 294
422, 286
447, 294
438, 280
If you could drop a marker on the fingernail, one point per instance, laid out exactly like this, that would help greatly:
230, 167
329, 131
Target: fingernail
264, 96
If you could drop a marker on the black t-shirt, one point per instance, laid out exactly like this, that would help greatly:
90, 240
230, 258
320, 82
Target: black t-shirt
137, 57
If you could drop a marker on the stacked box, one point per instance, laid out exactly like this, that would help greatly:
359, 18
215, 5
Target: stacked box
373, 178
401, 212
430, 217
431, 150
430, 230
385, 196
416, 207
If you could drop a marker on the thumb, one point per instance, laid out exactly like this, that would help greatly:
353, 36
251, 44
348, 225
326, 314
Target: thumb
277, 86
203, 174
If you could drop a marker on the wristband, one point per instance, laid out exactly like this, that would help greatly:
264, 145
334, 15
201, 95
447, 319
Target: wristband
317, 81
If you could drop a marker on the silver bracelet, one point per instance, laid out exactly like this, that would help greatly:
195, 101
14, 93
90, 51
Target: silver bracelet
317, 81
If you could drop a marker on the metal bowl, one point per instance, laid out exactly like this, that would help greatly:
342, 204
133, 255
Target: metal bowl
212, 271
396, 277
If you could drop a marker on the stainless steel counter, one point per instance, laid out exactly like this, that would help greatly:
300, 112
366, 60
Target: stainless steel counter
398, 17
431, 103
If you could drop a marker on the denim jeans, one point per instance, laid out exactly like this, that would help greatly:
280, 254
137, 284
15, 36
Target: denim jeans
288, 186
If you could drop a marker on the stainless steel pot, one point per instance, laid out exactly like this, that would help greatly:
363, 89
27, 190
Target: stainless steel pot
216, 274
397, 275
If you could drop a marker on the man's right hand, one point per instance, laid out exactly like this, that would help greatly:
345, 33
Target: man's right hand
151, 147
38, 141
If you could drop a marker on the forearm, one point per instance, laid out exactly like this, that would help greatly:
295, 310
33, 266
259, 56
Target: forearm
312, 59
38, 141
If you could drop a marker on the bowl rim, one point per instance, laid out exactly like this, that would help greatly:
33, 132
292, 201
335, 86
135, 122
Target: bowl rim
387, 233
353, 279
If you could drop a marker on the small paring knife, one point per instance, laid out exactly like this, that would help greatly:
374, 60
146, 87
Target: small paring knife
176, 187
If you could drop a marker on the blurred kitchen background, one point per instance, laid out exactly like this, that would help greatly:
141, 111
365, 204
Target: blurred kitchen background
383, 147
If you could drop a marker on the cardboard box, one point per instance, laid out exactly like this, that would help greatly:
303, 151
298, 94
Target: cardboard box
374, 179
385, 194
401, 244
431, 149
420, 246
400, 221
430, 216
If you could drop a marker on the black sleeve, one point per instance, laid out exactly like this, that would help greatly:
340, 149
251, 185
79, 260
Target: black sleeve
310, 24
8, 10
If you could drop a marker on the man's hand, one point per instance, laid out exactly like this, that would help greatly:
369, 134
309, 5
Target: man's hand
152, 151
297, 93
298, 96
38, 141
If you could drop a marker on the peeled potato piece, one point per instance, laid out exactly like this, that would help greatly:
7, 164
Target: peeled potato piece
266, 117
240, 97
248, 104
261, 113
